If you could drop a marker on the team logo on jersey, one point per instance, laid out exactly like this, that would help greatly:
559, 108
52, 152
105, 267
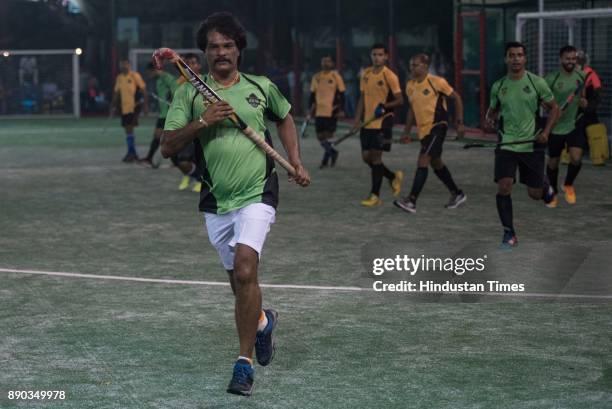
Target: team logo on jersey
503, 91
527, 90
253, 100
380, 83
426, 91
559, 85
330, 81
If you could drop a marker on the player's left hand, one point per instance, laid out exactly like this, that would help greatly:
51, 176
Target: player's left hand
583, 103
301, 177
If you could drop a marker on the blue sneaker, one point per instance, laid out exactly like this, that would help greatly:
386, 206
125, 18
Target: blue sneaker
242, 379
264, 342
509, 241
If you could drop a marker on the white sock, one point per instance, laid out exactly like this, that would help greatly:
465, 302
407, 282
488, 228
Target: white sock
250, 361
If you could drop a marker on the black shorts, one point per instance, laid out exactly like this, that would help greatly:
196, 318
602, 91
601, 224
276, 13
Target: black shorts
130, 119
574, 139
530, 166
376, 139
431, 144
186, 155
325, 124
161, 122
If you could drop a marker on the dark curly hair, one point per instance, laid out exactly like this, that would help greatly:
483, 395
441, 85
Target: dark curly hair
226, 24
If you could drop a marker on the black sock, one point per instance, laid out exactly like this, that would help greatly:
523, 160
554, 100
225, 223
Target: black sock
328, 151
419, 181
153, 148
446, 178
387, 173
572, 172
553, 177
377, 177
504, 209
195, 173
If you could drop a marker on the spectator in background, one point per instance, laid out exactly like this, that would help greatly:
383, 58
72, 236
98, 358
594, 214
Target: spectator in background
28, 72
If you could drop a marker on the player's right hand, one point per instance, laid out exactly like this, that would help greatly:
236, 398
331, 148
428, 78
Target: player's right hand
301, 177
217, 112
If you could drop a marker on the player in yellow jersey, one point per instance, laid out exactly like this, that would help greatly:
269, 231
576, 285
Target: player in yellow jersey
326, 105
130, 91
380, 94
427, 95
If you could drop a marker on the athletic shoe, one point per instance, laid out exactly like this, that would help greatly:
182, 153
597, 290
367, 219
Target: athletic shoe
371, 201
323, 165
406, 205
396, 183
548, 191
129, 158
264, 342
334, 157
242, 378
456, 200
509, 240
145, 162
184, 183
553, 203
570, 194
197, 187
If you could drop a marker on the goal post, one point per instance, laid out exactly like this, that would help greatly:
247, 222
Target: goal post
40, 83
586, 29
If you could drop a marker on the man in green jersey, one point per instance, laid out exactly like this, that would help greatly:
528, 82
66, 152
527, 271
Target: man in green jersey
240, 190
165, 85
516, 99
564, 84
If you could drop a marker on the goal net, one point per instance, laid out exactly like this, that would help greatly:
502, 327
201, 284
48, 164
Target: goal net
141, 57
39, 83
588, 29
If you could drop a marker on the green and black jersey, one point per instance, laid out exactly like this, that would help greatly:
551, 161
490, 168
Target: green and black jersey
236, 172
518, 102
563, 85
165, 85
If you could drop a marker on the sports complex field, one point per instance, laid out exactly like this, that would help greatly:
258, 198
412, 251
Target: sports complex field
110, 291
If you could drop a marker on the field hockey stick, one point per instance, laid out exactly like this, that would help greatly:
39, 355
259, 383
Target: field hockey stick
354, 131
496, 145
304, 126
108, 120
158, 98
571, 96
212, 97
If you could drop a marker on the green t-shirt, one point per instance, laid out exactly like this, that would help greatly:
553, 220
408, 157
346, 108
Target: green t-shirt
236, 172
563, 85
166, 85
518, 101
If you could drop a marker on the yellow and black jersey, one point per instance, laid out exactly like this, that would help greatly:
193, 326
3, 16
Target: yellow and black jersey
326, 88
377, 88
428, 101
127, 85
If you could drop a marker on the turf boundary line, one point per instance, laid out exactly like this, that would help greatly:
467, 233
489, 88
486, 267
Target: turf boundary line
291, 286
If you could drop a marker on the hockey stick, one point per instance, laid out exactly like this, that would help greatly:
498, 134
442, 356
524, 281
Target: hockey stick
304, 126
108, 120
571, 96
354, 131
212, 97
496, 145
158, 98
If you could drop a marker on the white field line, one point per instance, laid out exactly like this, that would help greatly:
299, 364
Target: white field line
293, 286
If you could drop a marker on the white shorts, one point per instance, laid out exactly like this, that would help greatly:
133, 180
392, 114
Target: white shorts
249, 226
